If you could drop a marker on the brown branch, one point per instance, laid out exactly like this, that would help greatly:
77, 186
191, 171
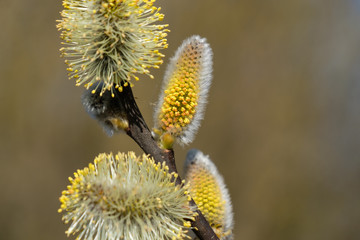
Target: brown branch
140, 133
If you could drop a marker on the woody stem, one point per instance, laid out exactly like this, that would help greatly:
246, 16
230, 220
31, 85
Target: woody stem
140, 133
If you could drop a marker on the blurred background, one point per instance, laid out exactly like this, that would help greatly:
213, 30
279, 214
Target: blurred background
282, 123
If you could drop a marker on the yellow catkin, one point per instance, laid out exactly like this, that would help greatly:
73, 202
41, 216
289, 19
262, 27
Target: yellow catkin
123, 185
209, 192
207, 195
181, 95
111, 41
186, 84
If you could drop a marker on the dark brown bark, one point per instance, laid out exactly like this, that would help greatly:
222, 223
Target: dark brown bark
140, 133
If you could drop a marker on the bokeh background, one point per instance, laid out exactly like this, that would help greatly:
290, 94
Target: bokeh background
282, 123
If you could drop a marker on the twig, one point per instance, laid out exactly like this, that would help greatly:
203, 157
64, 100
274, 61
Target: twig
140, 133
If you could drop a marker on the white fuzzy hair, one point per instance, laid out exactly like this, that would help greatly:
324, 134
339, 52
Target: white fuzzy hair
205, 77
196, 157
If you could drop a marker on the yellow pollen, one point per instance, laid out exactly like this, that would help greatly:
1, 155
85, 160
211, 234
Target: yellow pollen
182, 93
207, 195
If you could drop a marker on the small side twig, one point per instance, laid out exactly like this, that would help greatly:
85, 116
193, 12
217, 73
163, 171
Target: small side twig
140, 133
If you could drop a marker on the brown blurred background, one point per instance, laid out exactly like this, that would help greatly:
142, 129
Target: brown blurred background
282, 123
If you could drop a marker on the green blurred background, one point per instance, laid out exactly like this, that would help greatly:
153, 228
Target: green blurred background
282, 123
